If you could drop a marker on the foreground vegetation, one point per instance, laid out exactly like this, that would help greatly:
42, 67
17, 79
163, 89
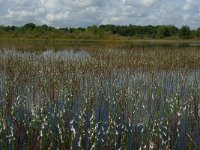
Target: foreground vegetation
137, 98
108, 32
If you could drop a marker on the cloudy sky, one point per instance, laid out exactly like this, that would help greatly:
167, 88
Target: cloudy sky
75, 13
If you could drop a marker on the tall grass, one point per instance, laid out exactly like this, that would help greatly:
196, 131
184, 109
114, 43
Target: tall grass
140, 98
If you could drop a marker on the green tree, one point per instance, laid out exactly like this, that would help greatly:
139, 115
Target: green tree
173, 31
163, 31
198, 33
96, 32
185, 32
30, 26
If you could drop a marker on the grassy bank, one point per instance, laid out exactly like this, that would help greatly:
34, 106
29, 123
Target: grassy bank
44, 44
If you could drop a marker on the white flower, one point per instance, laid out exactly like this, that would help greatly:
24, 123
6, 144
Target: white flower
71, 122
79, 143
42, 126
92, 147
129, 122
151, 145
74, 131
41, 133
179, 122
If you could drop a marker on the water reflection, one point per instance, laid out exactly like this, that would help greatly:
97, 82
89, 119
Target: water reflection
64, 54
61, 45
67, 54
110, 102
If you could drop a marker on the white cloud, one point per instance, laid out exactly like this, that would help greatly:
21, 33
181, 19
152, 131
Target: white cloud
191, 11
142, 3
83, 3
57, 16
190, 4
17, 15
61, 13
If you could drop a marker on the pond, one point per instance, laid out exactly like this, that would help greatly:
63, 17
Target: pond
102, 97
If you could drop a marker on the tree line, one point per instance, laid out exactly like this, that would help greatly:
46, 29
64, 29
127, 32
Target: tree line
31, 30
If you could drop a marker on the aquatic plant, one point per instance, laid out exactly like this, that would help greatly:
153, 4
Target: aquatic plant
140, 98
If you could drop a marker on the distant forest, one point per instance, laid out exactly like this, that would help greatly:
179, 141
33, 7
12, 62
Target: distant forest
31, 30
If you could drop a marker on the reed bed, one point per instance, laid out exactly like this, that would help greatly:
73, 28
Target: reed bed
139, 98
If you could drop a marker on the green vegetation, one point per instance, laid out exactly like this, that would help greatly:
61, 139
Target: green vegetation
185, 32
108, 32
100, 98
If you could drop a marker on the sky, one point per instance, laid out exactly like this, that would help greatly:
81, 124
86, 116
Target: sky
83, 13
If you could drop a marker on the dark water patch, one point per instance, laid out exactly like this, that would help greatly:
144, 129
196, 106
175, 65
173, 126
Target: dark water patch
44, 45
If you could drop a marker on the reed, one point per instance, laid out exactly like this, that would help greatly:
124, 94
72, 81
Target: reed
138, 98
